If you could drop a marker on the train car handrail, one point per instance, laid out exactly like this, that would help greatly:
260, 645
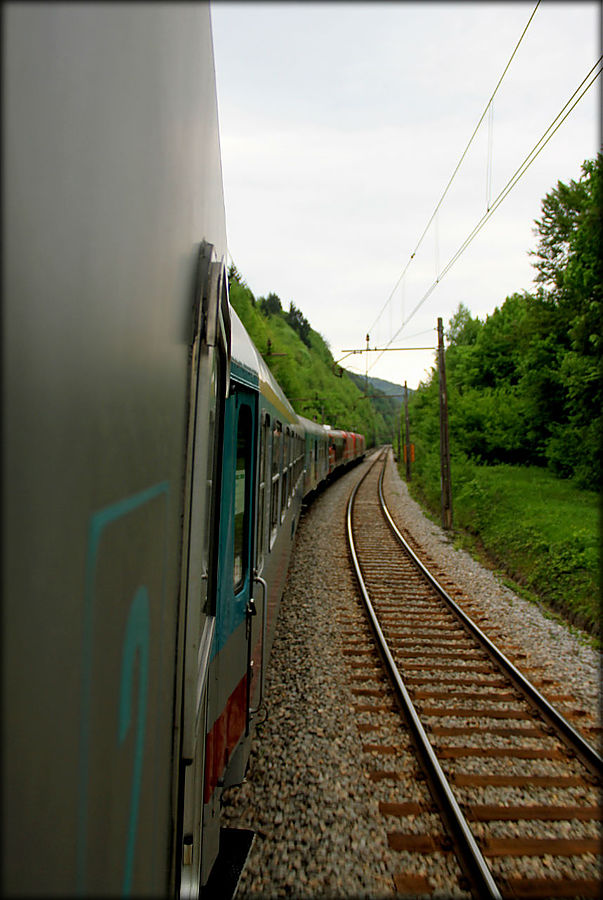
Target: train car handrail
259, 580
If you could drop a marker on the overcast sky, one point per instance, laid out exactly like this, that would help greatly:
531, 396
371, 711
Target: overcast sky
341, 125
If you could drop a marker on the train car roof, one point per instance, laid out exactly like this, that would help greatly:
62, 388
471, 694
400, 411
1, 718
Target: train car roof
244, 365
248, 367
312, 427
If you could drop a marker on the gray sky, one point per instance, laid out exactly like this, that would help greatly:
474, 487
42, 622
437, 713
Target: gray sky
341, 125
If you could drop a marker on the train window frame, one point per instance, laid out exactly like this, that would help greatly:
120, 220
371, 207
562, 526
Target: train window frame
276, 442
285, 473
299, 461
302, 456
242, 496
292, 462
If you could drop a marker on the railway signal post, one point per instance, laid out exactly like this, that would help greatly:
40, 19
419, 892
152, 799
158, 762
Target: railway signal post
446, 487
407, 436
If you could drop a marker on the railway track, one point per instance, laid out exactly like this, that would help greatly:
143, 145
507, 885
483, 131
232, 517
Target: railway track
517, 789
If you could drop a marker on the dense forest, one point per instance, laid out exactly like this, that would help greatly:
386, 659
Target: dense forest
525, 385
302, 363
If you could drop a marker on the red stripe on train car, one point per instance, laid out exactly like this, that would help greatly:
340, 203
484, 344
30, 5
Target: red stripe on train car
223, 737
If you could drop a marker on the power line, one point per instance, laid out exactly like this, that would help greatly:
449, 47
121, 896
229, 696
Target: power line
519, 173
458, 165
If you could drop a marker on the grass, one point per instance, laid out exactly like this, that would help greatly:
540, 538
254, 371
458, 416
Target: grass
540, 531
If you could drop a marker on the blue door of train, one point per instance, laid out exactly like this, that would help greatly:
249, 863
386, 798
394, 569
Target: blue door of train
247, 506
238, 509
243, 504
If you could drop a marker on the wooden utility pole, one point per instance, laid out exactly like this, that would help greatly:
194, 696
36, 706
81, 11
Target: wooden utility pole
445, 483
407, 437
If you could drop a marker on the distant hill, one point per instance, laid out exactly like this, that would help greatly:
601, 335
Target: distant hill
384, 387
380, 396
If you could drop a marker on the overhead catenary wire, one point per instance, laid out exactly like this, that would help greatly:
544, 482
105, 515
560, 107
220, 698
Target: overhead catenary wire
489, 160
458, 165
517, 175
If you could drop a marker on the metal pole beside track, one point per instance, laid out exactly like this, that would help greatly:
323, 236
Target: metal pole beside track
446, 487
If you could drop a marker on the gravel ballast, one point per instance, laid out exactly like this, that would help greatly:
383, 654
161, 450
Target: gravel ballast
542, 644
314, 809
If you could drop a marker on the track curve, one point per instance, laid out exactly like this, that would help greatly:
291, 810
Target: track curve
484, 734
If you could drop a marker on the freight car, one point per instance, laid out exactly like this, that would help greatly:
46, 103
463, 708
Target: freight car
153, 470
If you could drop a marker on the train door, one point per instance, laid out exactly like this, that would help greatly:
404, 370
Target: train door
227, 706
246, 533
209, 377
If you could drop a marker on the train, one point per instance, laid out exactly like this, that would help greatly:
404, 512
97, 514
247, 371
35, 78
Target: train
153, 469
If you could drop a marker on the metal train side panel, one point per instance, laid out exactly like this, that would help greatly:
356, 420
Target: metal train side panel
284, 490
111, 180
316, 454
228, 694
288, 499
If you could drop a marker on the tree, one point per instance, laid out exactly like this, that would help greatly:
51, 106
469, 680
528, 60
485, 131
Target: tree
299, 323
525, 385
569, 228
271, 305
234, 276
462, 328
569, 270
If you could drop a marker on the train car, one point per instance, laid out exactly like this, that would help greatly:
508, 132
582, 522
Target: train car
359, 446
348, 451
345, 448
342, 450
115, 349
316, 455
336, 448
261, 494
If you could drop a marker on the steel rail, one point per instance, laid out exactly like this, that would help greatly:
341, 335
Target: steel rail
472, 861
573, 740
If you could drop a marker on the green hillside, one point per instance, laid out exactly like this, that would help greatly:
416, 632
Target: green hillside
388, 387
302, 363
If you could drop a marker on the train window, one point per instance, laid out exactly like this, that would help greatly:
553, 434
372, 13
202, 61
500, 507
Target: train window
277, 438
293, 465
289, 467
241, 499
299, 464
262, 474
285, 484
